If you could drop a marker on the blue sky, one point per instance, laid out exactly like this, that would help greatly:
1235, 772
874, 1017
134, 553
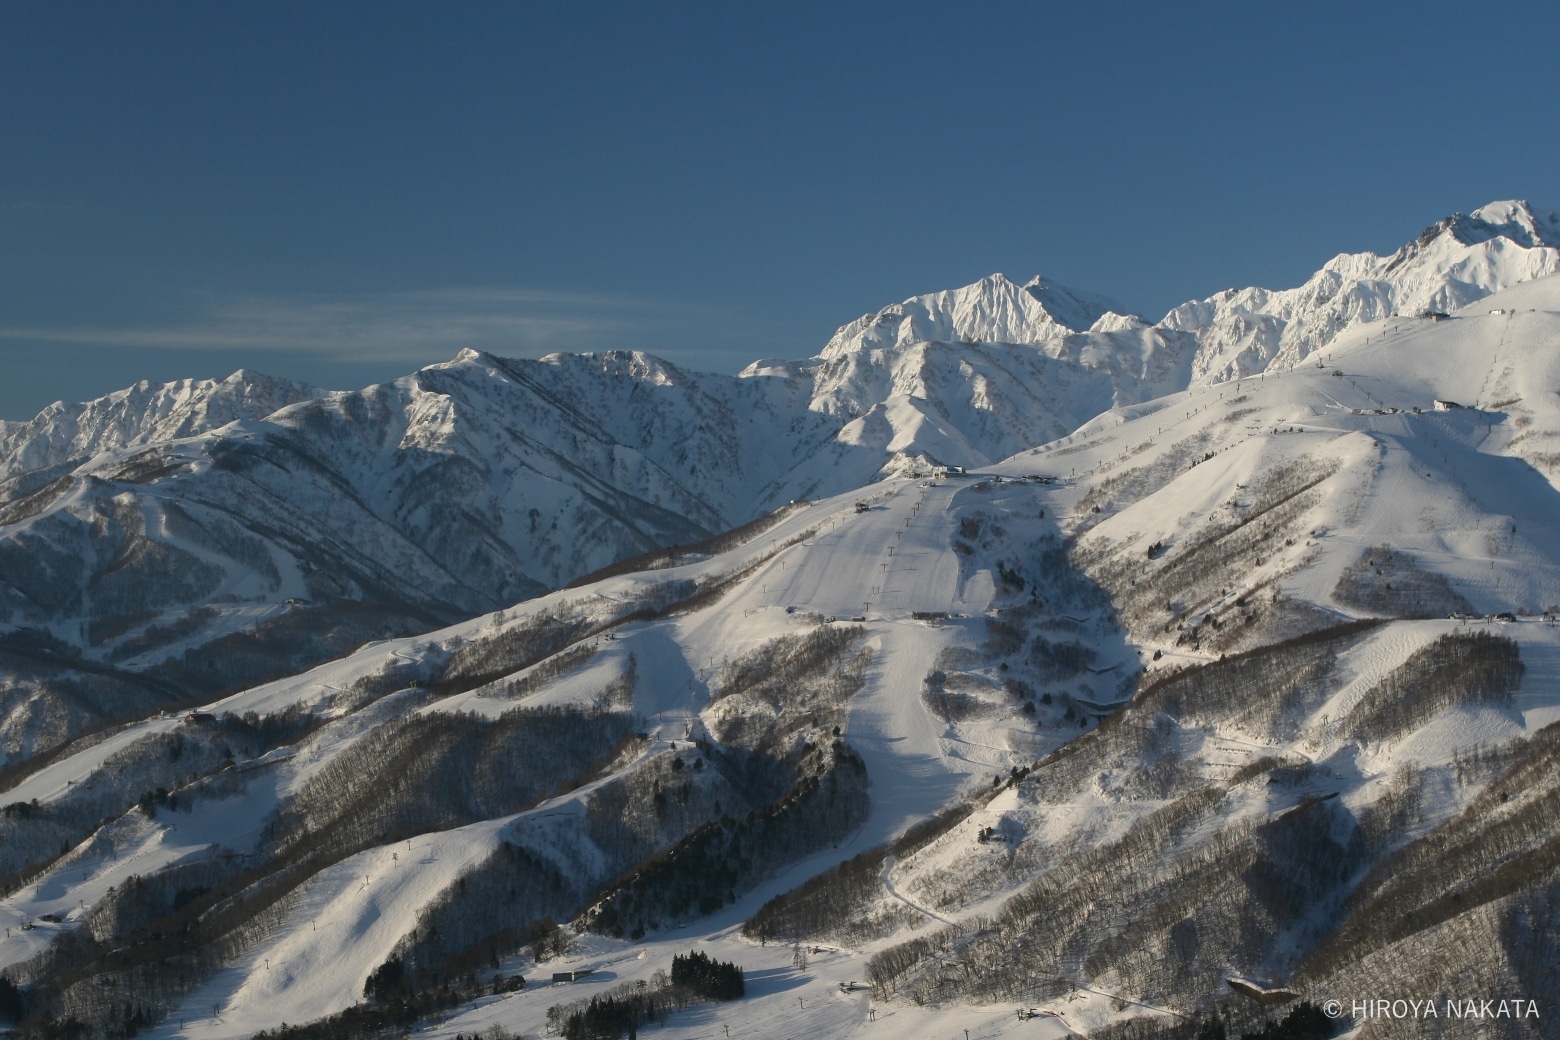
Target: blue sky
341, 192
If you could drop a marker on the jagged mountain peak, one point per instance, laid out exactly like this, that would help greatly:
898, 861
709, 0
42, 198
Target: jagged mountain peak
1073, 308
784, 368
1515, 219
636, 366
995, 309
143, 413
465, 354
1111, 321
1453, 262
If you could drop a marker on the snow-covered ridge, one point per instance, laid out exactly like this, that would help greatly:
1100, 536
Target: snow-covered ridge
142, 414
1454, 262
1238, 332
143, 526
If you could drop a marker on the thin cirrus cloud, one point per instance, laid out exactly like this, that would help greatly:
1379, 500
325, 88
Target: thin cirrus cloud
420, 326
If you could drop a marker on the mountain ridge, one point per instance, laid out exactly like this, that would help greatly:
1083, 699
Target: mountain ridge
482, 480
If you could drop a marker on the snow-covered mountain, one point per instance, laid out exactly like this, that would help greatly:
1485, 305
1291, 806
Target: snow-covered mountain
993, 310
1238, 332
64, 435
1453, 262
224, 550
151, 534
1170, 701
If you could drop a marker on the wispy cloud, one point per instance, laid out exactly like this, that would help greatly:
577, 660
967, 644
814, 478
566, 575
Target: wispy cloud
412, 327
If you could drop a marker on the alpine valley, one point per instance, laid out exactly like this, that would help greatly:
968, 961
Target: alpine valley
1154, 679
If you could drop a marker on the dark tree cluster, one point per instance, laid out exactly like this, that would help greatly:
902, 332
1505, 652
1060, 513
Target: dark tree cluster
288, 644
390, 1020
11, 1005
1129, 486
787, 685
438, 770
1390, 583
1054, 661
823, 903
558, 664
393, 676
500, 908
708, 978
1264, 692
1504, 843
32, 836
1162, 911
695, 979
953, 706
668, 796
1185, 896
1300, 862
1458, 668
829, 901
1155, 597
101, 630
1305, 1021
510, 649
609, 1017
786, 661
712, 866
141, 900
254, 734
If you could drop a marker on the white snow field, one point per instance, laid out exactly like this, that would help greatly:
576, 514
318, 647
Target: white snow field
1404, 469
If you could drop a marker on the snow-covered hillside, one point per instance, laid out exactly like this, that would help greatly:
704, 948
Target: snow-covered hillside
1171, 699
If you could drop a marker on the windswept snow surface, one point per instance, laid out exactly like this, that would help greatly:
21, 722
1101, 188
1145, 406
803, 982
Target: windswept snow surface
1434, 485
